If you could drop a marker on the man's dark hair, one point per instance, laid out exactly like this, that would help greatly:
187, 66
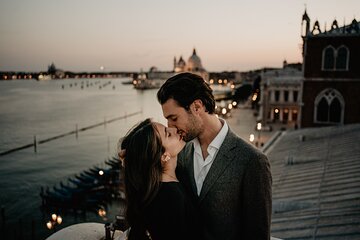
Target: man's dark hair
185, 88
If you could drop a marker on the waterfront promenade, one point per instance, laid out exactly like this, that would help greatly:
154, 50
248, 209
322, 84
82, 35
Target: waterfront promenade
243, 123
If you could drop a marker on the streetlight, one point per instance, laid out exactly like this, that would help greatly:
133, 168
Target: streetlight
55, 220
252, 138
258, 127
102, 212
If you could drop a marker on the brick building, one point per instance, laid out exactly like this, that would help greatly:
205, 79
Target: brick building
331, 68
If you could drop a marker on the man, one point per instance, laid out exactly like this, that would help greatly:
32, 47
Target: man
229, 179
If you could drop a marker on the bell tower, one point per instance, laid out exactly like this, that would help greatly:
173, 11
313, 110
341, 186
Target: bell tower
305, 25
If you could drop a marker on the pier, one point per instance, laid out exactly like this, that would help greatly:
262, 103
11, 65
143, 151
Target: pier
76, 132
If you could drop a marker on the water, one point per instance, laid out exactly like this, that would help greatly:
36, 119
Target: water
50, 108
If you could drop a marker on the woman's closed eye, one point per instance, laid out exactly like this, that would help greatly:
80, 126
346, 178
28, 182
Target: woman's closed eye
167, 133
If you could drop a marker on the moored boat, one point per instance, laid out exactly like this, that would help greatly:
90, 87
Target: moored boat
43, 77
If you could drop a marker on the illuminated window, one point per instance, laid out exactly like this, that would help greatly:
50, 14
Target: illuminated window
276, 114
286, 114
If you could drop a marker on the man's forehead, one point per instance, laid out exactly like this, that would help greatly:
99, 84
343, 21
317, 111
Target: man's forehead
171, 108
171, 102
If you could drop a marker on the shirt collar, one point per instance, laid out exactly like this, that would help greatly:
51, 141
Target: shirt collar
217, 141
220, 137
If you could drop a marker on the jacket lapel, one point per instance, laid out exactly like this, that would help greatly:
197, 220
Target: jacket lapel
189, 167
221, 161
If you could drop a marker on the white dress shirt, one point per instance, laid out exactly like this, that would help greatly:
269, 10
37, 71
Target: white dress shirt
201, 166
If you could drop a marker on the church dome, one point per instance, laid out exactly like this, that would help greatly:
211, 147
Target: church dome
194, 63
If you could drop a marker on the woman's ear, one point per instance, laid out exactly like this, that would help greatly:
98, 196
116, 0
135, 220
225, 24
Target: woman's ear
122, 155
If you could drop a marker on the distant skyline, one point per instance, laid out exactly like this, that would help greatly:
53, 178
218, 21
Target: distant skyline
130, 35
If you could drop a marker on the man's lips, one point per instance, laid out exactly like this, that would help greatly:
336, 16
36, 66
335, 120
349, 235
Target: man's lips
181, 135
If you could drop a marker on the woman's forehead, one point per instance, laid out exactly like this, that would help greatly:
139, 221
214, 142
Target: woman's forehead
160, 127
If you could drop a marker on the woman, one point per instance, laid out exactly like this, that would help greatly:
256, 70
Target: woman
157, 206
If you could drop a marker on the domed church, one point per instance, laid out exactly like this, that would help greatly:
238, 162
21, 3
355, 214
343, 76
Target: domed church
192, 65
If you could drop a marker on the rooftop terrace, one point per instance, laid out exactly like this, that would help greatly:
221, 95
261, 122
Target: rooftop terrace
316, 183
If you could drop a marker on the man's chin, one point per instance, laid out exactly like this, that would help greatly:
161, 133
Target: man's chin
188, 138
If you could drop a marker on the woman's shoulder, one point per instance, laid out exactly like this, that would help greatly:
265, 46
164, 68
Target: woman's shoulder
169, 196
171, 189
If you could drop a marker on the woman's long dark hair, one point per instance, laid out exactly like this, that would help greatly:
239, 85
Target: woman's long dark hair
142, 174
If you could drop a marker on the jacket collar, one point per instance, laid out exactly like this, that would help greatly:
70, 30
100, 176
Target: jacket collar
221, 162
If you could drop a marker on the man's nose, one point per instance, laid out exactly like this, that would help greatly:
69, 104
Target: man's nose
173, 126
170, 124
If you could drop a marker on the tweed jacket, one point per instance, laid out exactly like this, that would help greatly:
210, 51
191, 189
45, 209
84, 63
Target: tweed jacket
235, 200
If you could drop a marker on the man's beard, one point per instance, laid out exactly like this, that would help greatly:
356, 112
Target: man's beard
193, 129
188, 137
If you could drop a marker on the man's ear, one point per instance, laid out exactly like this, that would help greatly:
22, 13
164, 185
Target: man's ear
197, 105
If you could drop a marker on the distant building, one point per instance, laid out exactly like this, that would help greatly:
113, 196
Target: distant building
53, 72
193, 65
280, 94
233, 76
331, 70
155, 78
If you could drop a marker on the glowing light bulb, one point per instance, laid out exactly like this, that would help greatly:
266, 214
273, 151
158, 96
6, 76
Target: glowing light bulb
102, 212
252, 137
59, 220
49, 225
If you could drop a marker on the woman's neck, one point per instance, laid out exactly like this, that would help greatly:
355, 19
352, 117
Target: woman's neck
168, 174
169, 177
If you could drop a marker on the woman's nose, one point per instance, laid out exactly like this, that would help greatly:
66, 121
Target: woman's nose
173, 130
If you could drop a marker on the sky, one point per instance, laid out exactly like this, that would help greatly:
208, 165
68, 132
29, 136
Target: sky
134, 35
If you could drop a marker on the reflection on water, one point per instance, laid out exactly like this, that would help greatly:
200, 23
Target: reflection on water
47, 109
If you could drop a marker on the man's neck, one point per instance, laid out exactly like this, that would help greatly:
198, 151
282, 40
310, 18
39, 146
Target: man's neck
212, 126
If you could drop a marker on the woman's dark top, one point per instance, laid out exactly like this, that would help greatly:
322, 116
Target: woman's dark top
171, 215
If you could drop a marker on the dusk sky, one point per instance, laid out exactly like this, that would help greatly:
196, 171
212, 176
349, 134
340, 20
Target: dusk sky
129, 35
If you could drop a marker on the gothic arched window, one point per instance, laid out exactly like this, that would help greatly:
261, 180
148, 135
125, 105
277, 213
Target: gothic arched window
335, 59
342, 58
335, 110
329, 107
322, 110
329, 58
